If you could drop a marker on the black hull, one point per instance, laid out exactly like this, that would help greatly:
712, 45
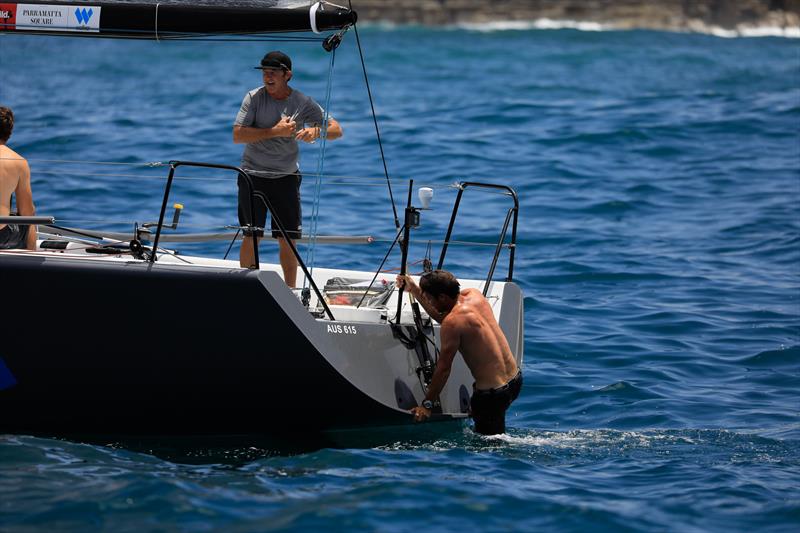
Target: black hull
134, 349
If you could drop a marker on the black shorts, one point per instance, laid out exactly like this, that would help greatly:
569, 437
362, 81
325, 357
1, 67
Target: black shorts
284, 196
488, 407
13, 236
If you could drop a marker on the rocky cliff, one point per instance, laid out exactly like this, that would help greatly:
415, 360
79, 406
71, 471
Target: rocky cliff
624, 14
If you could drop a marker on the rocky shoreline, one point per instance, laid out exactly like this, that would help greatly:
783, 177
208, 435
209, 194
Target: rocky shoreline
687, 15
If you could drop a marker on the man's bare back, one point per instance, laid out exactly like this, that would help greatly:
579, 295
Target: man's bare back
12, 168
468, 327
15, 178
480, 340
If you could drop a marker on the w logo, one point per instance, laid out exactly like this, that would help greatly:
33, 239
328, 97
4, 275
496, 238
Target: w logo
83, 15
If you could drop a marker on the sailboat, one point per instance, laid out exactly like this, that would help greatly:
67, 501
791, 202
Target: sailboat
351, 352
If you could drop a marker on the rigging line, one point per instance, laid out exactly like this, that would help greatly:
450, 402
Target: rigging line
156, 164
104, 175
355, 184
490, 191
86, 246
342, 180
248, 40
184, 35
320, 167
231, 244
146, 34
80, 162
385, 257
337, 179
462, 243
59, 228
350, 180
95, 221
375, 120
128, 223
130, 176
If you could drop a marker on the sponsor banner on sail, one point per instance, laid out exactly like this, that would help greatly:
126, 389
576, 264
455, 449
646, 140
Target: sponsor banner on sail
8, 16
58, 17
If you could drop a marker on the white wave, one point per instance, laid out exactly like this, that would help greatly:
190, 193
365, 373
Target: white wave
768, 31
693, 26
538, 24
582, 439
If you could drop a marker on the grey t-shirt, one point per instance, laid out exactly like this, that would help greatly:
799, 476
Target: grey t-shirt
277, 156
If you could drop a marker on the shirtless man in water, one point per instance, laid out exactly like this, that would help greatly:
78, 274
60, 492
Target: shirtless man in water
468, 326
15, 177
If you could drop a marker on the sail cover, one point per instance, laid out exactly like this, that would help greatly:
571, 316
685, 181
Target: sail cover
171, 19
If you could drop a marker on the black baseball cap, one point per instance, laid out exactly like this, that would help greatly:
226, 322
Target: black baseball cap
276, 59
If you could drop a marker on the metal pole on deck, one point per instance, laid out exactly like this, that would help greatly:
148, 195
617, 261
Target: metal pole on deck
409, 218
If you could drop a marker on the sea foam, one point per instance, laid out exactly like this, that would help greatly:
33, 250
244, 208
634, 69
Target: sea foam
692, 26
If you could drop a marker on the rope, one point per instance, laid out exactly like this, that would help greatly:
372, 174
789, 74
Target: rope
159, 36
237, 39
452, 242
346, 180
385, 257
86, 245
375, 120
312, 245
231, 244
156, 164
126, 223
84, 162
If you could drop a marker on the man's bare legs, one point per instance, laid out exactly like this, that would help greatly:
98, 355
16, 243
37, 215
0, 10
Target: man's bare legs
247, 256
247, 259
288, 262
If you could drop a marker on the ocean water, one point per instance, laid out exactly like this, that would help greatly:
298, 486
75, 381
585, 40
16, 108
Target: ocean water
658, 251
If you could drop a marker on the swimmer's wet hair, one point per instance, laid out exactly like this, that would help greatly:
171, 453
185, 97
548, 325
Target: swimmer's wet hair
440, 282
6, 123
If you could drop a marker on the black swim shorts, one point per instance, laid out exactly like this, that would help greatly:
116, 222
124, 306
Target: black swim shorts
13, 236
284, 196
488, 407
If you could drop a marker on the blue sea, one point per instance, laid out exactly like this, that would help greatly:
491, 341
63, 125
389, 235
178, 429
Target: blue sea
658, 252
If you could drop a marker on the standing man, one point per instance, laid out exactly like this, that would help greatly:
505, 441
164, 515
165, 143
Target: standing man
270, 122
468, 326
15, 177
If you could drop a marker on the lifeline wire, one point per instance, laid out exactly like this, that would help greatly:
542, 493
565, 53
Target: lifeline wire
156, 164
338, 179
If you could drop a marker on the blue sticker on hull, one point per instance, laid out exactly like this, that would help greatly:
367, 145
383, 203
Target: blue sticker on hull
7, 379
